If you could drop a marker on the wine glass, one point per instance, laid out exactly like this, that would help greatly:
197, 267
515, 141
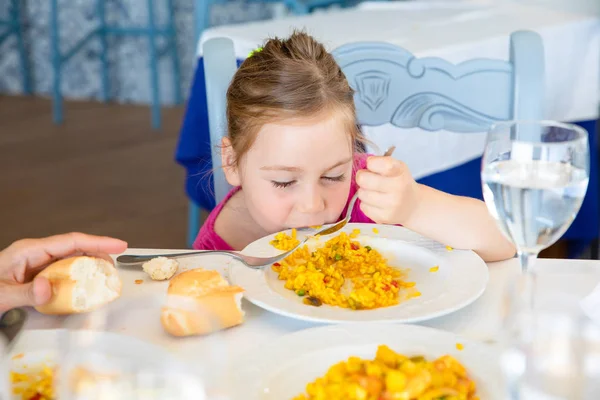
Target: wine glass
552, 344
535, 175
122, 351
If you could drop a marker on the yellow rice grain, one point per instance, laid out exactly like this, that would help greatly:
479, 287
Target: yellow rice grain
37, 385
391, 375
341, 273
285, 242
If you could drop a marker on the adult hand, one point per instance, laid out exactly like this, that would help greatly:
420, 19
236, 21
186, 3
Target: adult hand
24, 259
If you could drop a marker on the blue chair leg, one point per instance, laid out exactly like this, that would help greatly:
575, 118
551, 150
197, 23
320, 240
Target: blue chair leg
156, 117
201, 17
193, 222
25, 70
101, 10
57, 106
174, 56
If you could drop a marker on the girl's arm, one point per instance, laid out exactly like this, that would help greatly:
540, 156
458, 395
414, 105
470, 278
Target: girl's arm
460, 222
390, 195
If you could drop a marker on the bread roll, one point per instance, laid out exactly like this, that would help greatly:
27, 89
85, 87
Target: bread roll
80, 284
200, 302
161, 268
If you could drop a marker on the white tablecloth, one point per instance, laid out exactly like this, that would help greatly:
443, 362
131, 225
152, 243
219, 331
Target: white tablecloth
455, 31
478, 321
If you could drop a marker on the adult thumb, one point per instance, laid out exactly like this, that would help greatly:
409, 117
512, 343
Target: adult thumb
35, 293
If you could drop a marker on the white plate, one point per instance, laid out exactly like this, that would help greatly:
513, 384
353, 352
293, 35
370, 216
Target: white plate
282, 370
462, 277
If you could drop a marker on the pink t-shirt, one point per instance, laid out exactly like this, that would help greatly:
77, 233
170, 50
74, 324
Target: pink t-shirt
208, 239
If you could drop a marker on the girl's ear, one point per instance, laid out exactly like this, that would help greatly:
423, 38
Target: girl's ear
228, 160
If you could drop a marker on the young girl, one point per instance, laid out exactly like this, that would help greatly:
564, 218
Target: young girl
291, 154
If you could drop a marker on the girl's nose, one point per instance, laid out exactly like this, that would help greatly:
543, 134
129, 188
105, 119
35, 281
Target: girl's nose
311, 202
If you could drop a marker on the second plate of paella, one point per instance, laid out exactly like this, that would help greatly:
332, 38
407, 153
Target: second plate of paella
370, 362
363, 273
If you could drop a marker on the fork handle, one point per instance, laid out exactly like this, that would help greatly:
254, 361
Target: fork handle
132, 259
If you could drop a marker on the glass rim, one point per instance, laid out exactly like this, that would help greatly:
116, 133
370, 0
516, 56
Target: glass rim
582, 134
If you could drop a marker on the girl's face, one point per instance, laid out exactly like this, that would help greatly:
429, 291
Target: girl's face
297, 173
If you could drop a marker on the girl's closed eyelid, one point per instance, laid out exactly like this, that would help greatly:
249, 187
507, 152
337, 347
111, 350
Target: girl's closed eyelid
282, 185
338, 178
286, 184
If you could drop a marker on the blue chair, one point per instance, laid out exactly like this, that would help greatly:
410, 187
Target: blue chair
393, 86
14, 27
151, 31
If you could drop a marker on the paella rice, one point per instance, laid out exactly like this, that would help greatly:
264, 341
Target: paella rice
37, 384
341, 273
393, 376
285, 242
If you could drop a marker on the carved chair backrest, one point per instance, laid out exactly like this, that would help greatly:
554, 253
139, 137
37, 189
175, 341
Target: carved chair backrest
393, 86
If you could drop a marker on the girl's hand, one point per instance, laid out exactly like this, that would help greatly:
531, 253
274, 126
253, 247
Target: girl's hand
387, 191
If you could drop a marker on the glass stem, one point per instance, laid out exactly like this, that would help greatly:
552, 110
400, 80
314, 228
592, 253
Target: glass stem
526, 260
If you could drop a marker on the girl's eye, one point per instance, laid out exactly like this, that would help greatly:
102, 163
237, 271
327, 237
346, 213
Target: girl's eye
338, 178
282, 185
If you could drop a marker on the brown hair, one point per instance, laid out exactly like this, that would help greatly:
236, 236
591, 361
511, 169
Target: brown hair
288, 78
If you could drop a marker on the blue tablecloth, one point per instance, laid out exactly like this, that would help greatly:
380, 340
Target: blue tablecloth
194, 153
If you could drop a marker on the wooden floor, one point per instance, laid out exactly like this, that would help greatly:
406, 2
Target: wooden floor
105, 171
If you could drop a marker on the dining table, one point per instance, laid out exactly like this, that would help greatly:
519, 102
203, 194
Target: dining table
481, 321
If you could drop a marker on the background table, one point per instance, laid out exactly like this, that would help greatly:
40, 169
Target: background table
455, 32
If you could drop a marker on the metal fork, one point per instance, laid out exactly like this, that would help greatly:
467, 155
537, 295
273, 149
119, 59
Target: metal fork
249, 261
